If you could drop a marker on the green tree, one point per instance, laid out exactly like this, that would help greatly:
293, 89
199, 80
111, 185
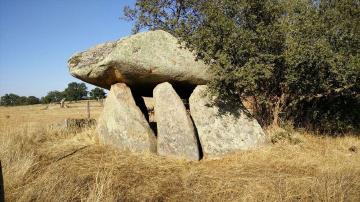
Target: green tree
22, 100
9, 100
31, 100
278, 54
52, 96
75, 91
97, 93
323, 63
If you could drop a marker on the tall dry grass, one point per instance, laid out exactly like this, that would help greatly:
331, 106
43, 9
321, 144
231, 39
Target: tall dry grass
42, 164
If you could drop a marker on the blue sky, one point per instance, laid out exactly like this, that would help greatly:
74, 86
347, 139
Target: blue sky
38, 36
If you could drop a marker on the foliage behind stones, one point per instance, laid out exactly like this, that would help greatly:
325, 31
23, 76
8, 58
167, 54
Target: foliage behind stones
278, 54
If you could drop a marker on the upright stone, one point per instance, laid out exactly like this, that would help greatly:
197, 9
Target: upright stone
223, 128
176, 134
122, 123
62, 103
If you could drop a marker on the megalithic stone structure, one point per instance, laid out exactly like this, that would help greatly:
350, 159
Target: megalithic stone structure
155, 64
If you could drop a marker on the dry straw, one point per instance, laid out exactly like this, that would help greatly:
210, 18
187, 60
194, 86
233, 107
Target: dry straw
41, 164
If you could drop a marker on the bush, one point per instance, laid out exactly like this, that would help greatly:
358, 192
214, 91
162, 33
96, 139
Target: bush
336, 114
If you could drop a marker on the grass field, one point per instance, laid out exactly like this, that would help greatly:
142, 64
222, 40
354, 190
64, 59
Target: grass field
41, 163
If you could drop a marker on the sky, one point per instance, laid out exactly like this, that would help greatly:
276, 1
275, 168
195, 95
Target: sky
37, 37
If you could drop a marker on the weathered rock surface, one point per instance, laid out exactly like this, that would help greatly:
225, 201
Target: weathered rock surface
176, 134
225, 128
122, 124
141, 61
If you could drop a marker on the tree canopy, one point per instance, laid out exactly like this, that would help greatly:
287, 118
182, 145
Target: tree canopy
294, 60
53, 96
75, 91
97, 93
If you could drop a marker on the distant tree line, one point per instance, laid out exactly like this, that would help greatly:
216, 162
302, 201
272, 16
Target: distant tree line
74, 92
14, 100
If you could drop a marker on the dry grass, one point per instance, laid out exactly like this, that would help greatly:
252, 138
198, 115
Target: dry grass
37, 115
41, 164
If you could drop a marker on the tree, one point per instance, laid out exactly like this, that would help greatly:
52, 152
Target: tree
52, 96
97, 93
323, 63
278, 54
31, 100
75, 91
9, 100
22, 100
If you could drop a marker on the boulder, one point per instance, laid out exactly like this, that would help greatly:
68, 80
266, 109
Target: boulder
141, 61
223, 128
176, 134
122, 123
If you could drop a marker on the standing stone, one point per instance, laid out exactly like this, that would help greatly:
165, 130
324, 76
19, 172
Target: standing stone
62, 103
122, 123
223, 128
176, 134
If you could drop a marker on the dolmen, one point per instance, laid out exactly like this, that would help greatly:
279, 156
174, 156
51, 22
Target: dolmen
154, 64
